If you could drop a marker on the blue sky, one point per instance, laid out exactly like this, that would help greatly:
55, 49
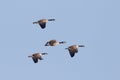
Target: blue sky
94, 23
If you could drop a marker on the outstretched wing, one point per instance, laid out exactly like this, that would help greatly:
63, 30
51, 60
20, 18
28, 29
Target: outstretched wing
72, 54
43, 25
72, 51
35, 59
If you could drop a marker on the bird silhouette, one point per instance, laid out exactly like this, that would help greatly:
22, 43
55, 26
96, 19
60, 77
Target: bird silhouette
54, 43
73, 49
43, 22
37, 56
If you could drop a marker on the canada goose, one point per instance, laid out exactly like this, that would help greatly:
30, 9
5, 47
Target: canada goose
54, 43
37, 56
73, 49
43, 22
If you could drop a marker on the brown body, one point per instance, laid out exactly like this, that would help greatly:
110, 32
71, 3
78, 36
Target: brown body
43, 22
54, 43
73, 49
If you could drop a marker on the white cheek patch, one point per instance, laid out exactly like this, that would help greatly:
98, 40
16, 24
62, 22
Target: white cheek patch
77, 46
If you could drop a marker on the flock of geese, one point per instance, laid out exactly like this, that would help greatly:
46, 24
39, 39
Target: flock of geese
38, 56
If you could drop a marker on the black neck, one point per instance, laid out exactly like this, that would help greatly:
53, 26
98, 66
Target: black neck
81, 46
61, 42
51, 19
44, 53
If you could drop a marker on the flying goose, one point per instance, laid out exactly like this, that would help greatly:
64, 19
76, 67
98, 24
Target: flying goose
54, 43
73, 49
43, 22
37, 56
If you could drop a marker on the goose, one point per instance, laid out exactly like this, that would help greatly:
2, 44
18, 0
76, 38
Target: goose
37, 56
43, 22
73, 49
54, 43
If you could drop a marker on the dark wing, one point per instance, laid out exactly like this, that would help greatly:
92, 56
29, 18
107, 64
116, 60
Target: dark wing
43, 25
72, 52
35, 59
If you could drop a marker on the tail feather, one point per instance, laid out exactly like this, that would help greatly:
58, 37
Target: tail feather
41, 58
46, 44
66, 48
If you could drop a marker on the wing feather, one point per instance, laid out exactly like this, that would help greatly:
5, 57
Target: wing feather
42, 25
35, 60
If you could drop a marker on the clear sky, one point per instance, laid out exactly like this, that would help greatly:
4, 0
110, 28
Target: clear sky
94, 23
